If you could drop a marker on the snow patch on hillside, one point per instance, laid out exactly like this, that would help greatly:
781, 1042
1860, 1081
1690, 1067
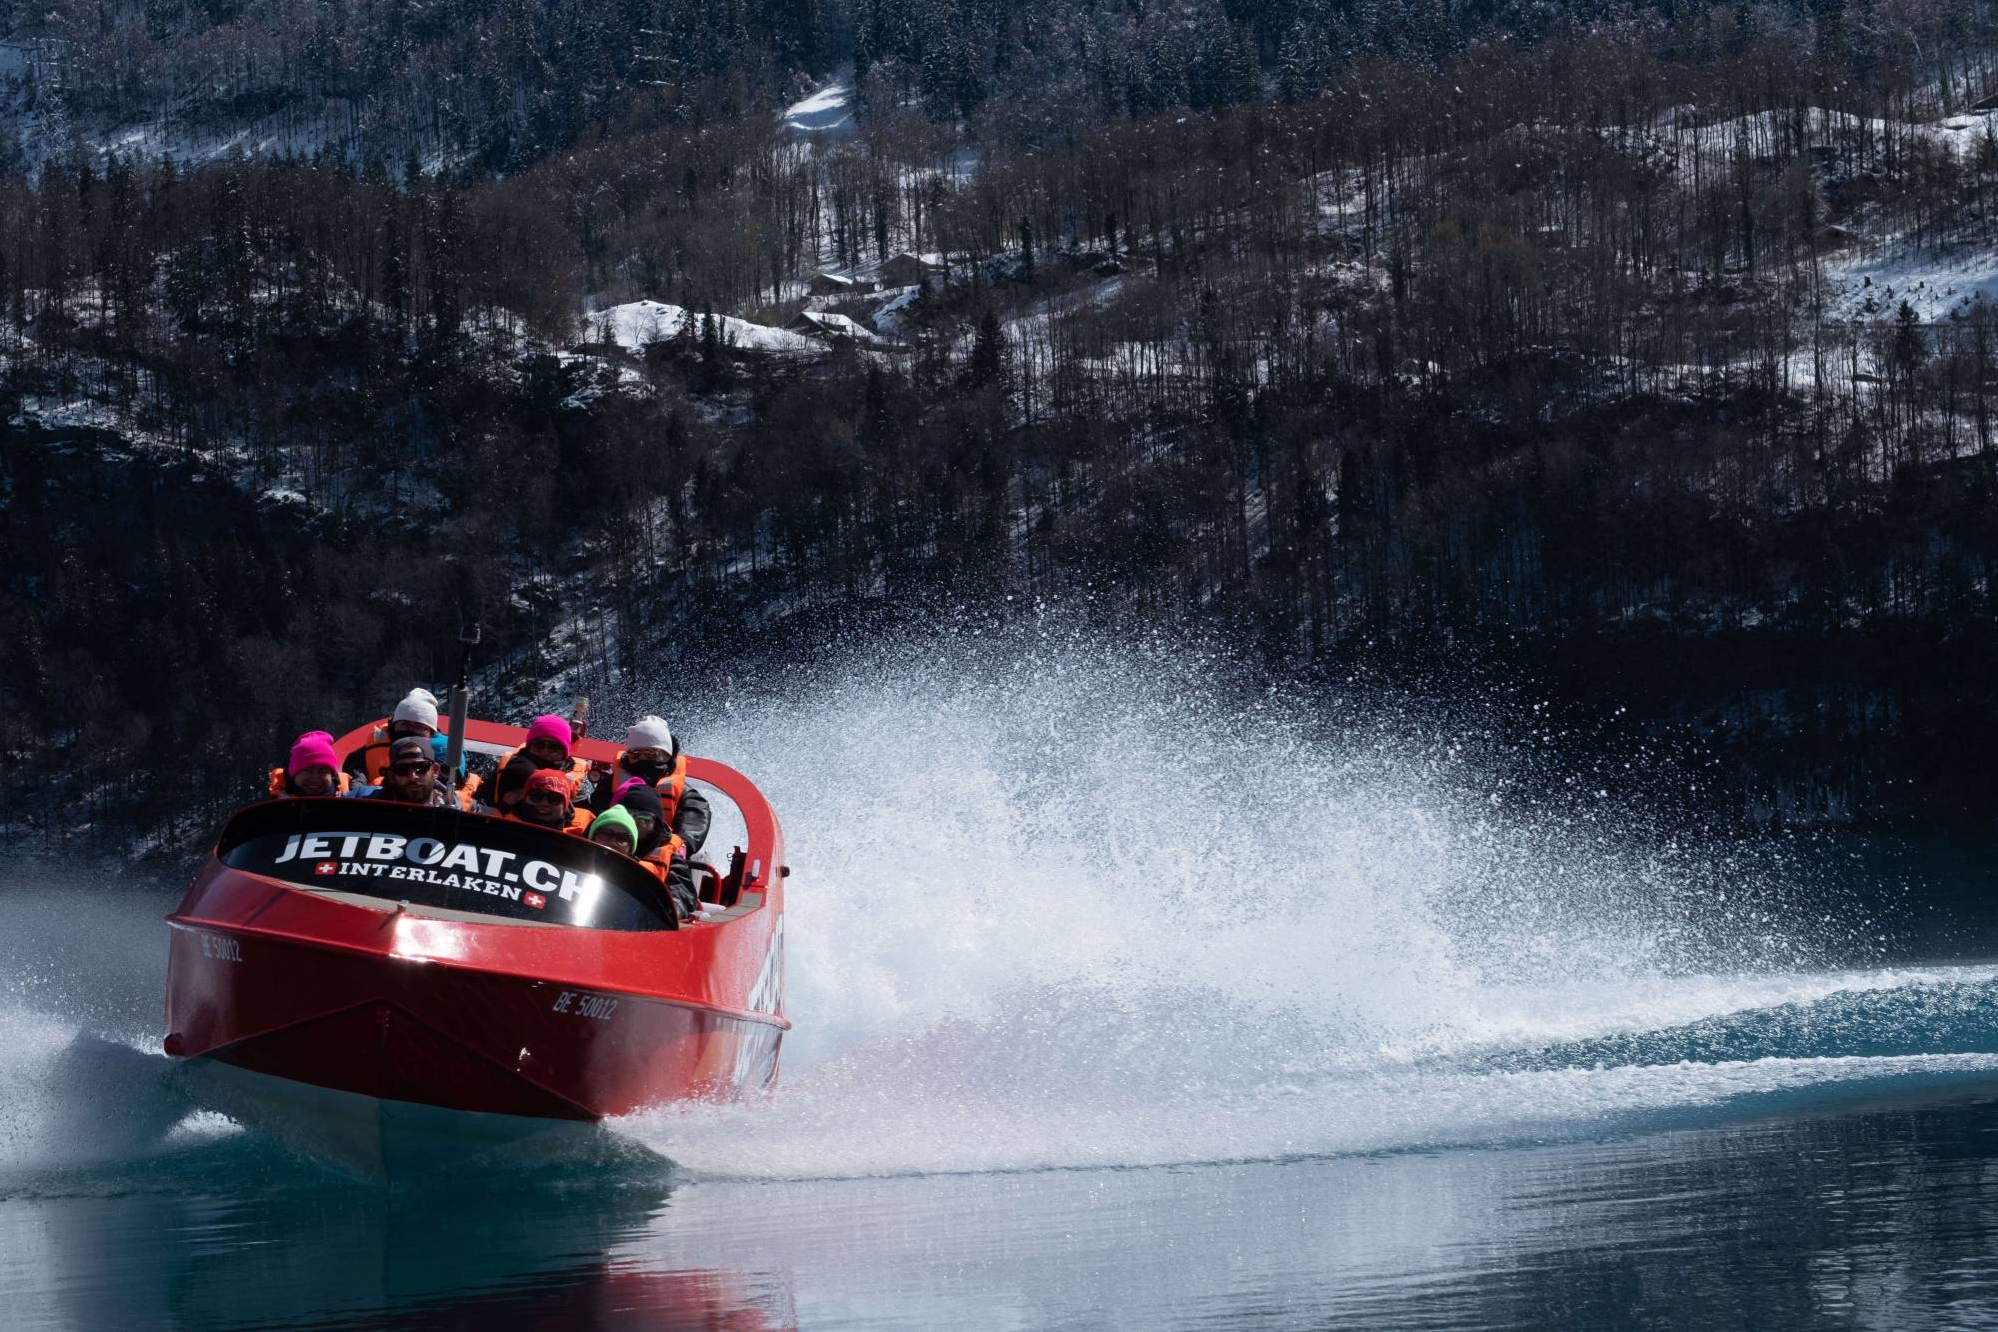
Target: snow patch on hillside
829, 110
637, 325
1938, 286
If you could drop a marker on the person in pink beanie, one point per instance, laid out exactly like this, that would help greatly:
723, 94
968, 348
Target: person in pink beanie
549, 743
312, 770
548, 740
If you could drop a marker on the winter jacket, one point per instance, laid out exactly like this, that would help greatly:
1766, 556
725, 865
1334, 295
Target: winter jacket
668, 864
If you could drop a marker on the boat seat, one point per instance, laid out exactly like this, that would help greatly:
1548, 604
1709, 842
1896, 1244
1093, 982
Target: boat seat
712, 913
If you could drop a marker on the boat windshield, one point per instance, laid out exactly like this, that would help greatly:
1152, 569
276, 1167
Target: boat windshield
441, 857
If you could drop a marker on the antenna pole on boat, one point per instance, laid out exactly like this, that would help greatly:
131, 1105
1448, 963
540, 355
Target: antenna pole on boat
461, 702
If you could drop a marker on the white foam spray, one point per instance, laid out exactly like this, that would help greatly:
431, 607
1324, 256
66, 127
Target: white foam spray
83, 1081
1057, 903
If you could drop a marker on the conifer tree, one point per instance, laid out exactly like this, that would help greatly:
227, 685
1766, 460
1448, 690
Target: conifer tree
988, 350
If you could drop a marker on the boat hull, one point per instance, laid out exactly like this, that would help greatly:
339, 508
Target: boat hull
425, 961
387, 1140
410, 1028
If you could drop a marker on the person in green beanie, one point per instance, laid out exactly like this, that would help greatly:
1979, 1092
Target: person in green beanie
615, 829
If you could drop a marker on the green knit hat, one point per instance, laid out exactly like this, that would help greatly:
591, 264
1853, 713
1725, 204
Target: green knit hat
617, 816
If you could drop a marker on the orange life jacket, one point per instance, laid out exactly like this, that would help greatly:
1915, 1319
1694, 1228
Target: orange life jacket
373, 753
659, 860
670, 787
278, 791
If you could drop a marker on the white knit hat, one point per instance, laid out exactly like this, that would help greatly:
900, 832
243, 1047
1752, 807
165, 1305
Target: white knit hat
649, 732
419, 706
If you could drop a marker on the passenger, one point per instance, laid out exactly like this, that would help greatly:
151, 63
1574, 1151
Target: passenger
313, 769
548, 801
550, 742
662, 852
416, 715
652, 754
613, 828
412, 776
464, 782
509, 782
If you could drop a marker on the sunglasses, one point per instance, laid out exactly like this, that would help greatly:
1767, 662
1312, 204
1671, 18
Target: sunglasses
539, 797
412, 769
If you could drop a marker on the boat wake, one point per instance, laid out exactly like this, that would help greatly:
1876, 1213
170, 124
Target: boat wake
1058, 906
85, 1092
1142, 915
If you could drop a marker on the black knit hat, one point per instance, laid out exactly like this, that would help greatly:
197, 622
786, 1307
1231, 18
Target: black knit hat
642, 799
512, 779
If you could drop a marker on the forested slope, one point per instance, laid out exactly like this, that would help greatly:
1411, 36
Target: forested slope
1638, 352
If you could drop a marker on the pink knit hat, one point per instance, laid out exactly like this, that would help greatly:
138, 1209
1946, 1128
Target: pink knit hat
548, 726
314, 749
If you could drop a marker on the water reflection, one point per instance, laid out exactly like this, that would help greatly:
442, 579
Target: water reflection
1878, 1214
296, 1251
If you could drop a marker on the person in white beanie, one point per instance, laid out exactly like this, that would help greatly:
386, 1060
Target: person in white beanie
652, 755
415, 715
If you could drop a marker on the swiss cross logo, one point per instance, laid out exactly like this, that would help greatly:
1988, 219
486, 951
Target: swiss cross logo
535, 900
327, 867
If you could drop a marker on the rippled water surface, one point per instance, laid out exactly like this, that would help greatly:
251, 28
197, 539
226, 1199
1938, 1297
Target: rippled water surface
1879, 1213
1130, 997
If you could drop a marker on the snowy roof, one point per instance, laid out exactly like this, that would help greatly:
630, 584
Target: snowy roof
824, 323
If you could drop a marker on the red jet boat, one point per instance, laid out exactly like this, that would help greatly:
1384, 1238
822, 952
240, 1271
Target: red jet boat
394, 987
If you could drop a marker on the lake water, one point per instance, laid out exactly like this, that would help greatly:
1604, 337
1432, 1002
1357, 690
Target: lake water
1873, 1205
1327, 1033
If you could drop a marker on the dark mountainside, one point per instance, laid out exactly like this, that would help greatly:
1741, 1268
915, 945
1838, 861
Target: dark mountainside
1633, 352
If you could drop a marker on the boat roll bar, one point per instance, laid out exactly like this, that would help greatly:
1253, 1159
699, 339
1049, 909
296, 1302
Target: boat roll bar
461, 703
